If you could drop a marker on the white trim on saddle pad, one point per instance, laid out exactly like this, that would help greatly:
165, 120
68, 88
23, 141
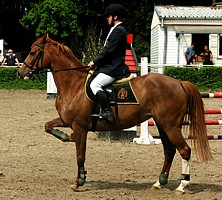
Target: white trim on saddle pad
124, 79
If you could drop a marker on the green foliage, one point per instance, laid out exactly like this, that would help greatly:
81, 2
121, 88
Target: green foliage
206, 78
69, 19
93, 44
138, 22
10, 80
210, 77
56, 17
63, 18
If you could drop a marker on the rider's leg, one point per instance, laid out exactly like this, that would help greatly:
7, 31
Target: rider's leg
102, 98
96, 85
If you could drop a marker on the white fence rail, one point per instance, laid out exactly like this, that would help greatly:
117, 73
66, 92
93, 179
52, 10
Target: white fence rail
159, 68
14, 66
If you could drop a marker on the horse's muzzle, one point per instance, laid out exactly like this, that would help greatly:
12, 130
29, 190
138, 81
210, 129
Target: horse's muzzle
25, 75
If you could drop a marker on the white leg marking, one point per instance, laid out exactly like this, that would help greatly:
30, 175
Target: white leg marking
185, 167
185, 171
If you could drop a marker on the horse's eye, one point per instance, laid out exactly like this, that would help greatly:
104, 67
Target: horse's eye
32, 53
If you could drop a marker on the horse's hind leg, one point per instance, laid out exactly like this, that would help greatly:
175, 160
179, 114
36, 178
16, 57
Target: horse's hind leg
169, 152
171, 142
185, 152
185, 177
176, 140
58, 122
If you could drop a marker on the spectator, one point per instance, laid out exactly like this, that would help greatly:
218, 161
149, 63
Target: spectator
1, 56
190, 54
207, 56
10, 58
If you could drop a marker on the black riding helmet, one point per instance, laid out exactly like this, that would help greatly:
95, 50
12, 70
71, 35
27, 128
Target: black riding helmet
115, 10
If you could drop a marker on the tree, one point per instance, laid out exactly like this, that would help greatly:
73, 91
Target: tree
68, 21
93, 44
58, 18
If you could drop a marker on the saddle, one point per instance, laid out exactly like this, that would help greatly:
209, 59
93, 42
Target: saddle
119, 92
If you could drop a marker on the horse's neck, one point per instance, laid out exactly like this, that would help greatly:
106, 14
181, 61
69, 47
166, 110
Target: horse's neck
66, 79
69, 81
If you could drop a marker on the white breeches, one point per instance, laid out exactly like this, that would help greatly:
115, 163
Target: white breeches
100, 81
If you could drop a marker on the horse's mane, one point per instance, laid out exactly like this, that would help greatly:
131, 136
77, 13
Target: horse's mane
66, 50
61, 48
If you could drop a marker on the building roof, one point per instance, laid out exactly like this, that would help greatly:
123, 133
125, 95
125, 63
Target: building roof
189, 12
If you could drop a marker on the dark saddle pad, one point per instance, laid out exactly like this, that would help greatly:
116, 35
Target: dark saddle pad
118, 93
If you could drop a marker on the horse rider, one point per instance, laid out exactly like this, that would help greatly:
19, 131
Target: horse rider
109, 65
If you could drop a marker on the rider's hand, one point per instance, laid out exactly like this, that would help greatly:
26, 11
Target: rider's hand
91, 64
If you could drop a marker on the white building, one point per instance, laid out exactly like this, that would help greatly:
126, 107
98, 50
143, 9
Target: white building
174, 28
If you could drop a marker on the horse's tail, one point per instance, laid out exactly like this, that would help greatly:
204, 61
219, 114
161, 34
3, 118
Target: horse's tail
196, 118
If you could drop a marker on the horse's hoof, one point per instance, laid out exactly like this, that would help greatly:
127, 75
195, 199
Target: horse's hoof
179, 192
74, 187
183, 184
155, 187
70, 139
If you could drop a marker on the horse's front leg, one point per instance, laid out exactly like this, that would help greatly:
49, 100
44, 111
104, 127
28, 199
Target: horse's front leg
58, 122
81, 136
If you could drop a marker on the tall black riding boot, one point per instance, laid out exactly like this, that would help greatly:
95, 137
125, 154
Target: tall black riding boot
106, 109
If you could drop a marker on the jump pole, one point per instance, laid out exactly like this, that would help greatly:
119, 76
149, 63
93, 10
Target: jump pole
211, 95
145, 137
212, 111
209, 137
207, 122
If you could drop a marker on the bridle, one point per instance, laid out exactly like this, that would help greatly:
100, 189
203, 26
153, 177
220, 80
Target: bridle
35, 69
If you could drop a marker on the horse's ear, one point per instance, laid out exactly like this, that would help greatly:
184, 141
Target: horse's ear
45, 36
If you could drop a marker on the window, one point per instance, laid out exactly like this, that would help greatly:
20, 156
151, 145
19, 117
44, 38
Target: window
220, 44
200, 39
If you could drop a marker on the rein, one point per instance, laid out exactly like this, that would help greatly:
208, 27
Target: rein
74, 68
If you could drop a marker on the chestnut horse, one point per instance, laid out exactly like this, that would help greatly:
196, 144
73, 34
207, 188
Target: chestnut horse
167, 100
